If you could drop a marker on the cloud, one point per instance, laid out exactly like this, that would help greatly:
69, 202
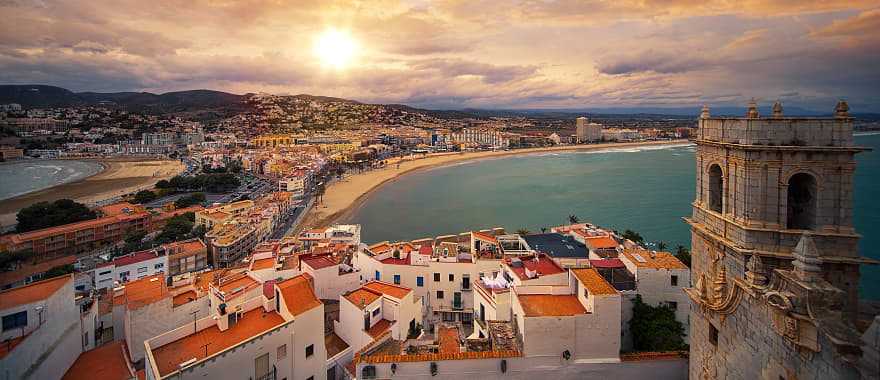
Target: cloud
664, 62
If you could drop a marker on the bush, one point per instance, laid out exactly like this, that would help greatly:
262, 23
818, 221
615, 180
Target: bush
44, 215
190, 200
144, 196
655, 328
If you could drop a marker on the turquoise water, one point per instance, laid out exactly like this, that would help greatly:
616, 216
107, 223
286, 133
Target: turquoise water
646, 190
28, 176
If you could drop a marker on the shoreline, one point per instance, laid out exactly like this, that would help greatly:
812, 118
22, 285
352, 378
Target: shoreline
344, 197
104, 167
119, 177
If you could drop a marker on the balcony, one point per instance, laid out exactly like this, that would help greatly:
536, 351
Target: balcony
268, 376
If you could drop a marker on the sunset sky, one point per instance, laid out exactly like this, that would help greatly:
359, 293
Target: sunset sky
457, 54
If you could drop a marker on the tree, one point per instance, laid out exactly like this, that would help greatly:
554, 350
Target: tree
661, 246
189, 200
632, 235
177, 228
144, 196
522, 232
683, 254
654, 328
163, 184
45, 214
573, 219
543, 230
134, 241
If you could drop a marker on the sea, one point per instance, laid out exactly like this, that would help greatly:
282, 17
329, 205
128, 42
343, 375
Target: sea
645, 189
22, 177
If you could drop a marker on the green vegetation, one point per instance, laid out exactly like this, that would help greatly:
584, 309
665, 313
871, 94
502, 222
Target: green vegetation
45, 214
177, 228
683, 254
634, 236
523, 232
144, 196
189, 200
213, 182
8, 258
654, 328
573, 219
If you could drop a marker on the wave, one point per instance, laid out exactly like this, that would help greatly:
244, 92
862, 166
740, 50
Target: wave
866, 133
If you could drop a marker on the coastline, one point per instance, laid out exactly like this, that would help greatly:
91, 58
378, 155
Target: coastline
344, 197
103, 168
119, 176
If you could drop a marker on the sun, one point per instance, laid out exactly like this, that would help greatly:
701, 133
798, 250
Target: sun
335, 48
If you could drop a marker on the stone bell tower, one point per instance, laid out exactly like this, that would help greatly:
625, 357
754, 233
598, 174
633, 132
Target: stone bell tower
775, 261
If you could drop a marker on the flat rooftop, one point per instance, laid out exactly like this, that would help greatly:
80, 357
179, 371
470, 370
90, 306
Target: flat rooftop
105, 362
556, 245
251, 324
545, 305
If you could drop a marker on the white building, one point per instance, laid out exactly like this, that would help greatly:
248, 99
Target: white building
375, 309
585, 131
133, 266
660, 279
43, 332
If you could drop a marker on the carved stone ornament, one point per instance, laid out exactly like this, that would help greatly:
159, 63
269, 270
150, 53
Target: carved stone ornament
756, 275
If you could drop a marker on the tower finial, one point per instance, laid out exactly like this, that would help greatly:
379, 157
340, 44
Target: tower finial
704, 113
842, 109
806, 259
753, 110
777, 109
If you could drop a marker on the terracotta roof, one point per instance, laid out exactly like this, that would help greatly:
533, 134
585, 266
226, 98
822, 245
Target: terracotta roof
319, 262
334, 344
448, 340
397, 261
482, 236
73, 227
594, 282
105, 362
362, 297
236, 285
144, 291
379, 328
185, 247
545, 305
134, 258
379, 247
184, 298
299, 297
252, 323
267, 263
385, 288
33, 292
601, 242
426, 249
120, 208
439, 357
659, 260
545, 266
607, 263
26, 270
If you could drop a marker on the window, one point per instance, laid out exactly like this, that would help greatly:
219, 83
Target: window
672, 305
713, 334
377, 311
378, 276
439, 294
282, 351
14, 321
104, 273
369, 372
465, 282
436, 277
158, 266
142, 270
397, 279
420, 281
451, 277
310, 350
448, 317
124, 274
673, 281
716, 188
801, 202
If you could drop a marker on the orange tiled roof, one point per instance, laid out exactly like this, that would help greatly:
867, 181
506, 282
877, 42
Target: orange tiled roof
27, 269
267, 263
236, 284
379, 328
546, 305
594, 282
362, 297
448, 340
120, 208
484, 236
73, 227
601, 242
545, 266
251, 324
33, 292
105, 362
385, 288
184, 298
660, 260
299, 297
145, 291
439, 357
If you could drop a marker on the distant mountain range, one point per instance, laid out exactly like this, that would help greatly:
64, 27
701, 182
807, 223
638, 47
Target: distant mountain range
221, 103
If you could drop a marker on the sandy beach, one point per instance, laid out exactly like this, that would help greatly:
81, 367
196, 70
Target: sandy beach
120, 176
343, 197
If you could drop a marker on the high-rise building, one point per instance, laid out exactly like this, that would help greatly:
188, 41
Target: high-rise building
586, 131
775, 262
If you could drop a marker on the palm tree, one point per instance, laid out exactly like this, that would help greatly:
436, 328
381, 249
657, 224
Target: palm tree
543, 230
661, 245
573, 219
522, 232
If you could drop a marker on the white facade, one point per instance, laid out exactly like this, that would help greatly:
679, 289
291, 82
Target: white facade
132, 267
